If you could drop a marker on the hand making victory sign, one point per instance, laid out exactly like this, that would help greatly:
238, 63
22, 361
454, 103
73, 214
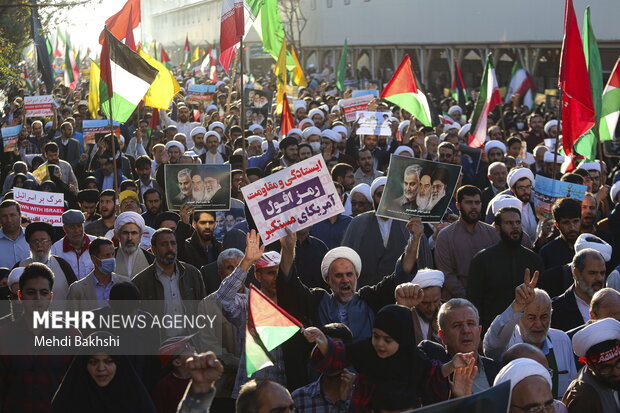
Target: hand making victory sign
524, 294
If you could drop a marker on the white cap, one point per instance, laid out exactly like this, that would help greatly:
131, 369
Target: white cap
331, 135
217, 125
519, 369
590, 166
429, 278
340, 252
548, 157
549, 125
197, 130
591, 241
363, 189
255, 127
316, 111
464, 130
613, 191
495, 144
378, 182
453, 109
519, 173
309, 131
213, 133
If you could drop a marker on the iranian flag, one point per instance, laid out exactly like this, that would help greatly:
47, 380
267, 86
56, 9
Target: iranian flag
611, 105
521, 83
72, 73
268, 327
125, 78
403, 91
186, 54
488, 98
236, 20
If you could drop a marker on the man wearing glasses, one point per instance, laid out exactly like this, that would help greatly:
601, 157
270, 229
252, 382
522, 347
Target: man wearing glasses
595, 390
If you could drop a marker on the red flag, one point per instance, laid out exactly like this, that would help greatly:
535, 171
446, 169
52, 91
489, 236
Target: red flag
154, 123
186, 47
286, 123
129, 40
105, 66
577, 106
117, 24
232, 28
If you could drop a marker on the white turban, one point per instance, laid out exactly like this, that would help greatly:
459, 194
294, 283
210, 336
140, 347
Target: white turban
340, 252
14, 275
316, 111
495, 144
217, 125
294, 131
452, 125
331, 135
519, 173
213, 133
380, 181
429, 278
196, 131
520, 369
549, 125
325, 108
595, 333
309, 131
363, 189
548, 157
613, 191
504, 201
404, 148
211, 107
464, 130
403, 125
128, 217
264, 144
254, 138
335, 108
590, 166
453, 109
340, 129
304, 121
219, 83
178, 144
299, 104
254, 127
591, 241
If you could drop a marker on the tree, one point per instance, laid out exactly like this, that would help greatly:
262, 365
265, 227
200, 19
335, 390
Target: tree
293, 20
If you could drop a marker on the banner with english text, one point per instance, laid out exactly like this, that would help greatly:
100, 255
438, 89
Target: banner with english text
40, 206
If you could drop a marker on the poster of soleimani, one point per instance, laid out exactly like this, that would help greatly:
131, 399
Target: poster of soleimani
418, 188
206, 187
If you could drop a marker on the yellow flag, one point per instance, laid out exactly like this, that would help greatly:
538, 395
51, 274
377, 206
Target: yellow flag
196, 54
93, 90
164, 87
41, 173
298, 74
280, 72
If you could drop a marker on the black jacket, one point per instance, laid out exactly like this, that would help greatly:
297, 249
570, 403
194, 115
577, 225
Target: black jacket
566, 314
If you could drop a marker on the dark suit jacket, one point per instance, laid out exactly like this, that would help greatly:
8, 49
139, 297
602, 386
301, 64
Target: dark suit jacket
438, 352
210, 277
69, 153
556, 280
566, 314
486, 197
155, 186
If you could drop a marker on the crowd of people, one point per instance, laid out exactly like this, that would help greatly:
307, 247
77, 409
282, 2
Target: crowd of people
397, 314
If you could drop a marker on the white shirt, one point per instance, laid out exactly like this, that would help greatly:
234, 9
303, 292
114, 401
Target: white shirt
584, 308
528, 220
384, 227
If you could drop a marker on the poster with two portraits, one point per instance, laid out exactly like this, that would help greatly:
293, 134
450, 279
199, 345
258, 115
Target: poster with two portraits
418, 188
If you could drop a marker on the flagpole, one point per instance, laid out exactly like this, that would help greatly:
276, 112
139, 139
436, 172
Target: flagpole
557, 137
242, 118
112, 137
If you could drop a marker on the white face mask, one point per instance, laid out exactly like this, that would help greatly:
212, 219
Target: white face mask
316, 147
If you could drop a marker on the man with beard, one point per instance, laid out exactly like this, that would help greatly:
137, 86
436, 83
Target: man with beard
567, 217
212, 186
527, 319
289, 147
456, 244
520, 184
198, 188
100, 227
459, 329
535, 134
439, 181
425, 293
201, 248
183, 124
495, 151
411, 179
73, 247
52, 156
361, 201
496, 271
496, 174
572, 308
589, 213
184, 178
39, 237
153, 203
366, 173
130, 258
596, 387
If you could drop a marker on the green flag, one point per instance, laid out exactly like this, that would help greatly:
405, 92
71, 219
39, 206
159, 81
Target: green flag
586, 145
342, 68
269, 27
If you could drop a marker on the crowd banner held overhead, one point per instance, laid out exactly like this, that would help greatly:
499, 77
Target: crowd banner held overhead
494, 399
40, 206
200, 93
295, 198
268, 327
365, 92
373, 123
488, 98
547, 190
257, 106
418, 188
355, 104
10, 137
206, 187
93, 129
40, 105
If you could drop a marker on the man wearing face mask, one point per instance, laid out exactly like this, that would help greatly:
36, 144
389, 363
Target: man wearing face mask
93, 291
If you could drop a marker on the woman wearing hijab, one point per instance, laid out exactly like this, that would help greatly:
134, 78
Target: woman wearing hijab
97, 382
55, 175
389, 356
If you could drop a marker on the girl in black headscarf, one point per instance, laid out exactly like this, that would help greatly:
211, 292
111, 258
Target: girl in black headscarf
18, 181
390, 357
97, 382
56, 177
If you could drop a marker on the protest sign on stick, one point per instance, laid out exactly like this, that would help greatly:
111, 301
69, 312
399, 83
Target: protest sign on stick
374, 123
294, 198
201, 93
42, 105
92, 129
40, 206
356, 104
10, 136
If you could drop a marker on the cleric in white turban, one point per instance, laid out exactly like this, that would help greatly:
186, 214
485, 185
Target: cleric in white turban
340, 252
591, 241
495, 144
429, 278
178, 144
129, 229
519, 173
520, 369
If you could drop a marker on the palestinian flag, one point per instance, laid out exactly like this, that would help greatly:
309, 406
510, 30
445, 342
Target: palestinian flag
488, 98
72, 73
268, 327
186, 53
457, 90
125, 78
165, 59
521, 83
403, 91
611, 105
